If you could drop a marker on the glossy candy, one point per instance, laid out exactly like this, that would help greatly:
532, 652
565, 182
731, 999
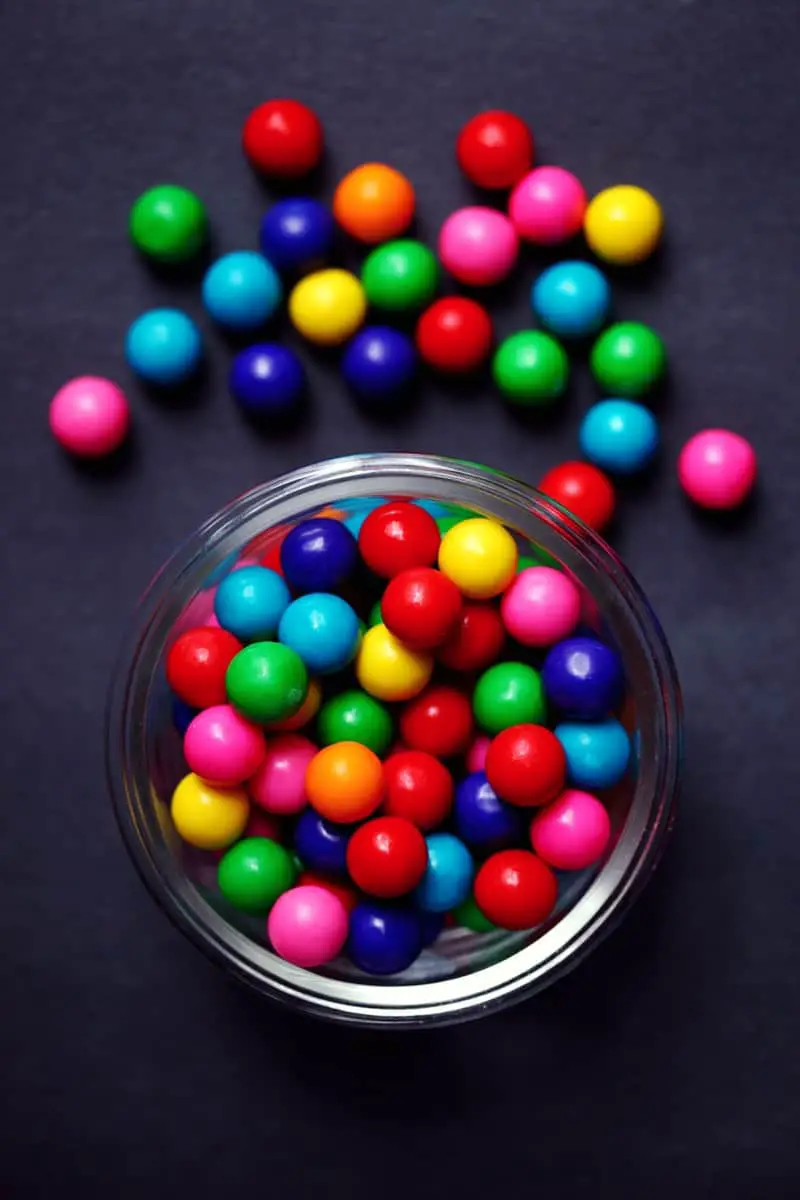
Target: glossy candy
509, 693
530, 368
480, 557
623, 224
344, 782
526, 765
305, 713
396, 536
571, 833
475, 758
342, 891
196, 665
254, 873
208, 817
571, 299
318, 555
222, 747
308, 926
282, 138
328, 306
250, 602
266, 682
267, 380
495, 149
182, 715
164, 347
717, 469
168, 224
448, 875
583, 678
421, 606
374, 203
384, 938
262, 825
597, 752
321, 844
354, 716
541, 606
388, 669
89, 416
454, 335
242, 290
628, 359
482, 818
379, 364
279, 784
619, 436
387, 857
399, 276
469, 916
418, 788
547, 206
515, 890
584, 490
476, 639
478, 246
438, 721
323, 629
297, 234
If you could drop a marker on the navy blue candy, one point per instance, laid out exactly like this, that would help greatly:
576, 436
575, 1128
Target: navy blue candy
384, 938
182, 715
318, 555
482, 818
321, 845
297, 234
583, 678
432, 925
379, 363
267, 380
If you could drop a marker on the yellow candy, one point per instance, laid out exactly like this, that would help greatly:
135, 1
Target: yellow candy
388, 669
209, 817
328, 306
480, 557
623, 224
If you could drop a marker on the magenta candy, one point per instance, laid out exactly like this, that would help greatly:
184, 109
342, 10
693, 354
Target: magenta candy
89, 416
279, 785
548, 206
572, 832
262, 824
222, 747
307, 926
476, 755
717, 469
541, 607
478, 246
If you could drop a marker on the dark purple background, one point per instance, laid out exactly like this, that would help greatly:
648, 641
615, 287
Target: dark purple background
667, 1065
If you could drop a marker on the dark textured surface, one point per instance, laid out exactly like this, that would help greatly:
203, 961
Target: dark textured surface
668, 1063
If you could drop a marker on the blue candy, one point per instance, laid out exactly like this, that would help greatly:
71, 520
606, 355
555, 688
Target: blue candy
620, 436
322, 629
379, 363
318, 555
583, 678
384, 939
448, 876
321, 845
164, 347
571, 299
482, 818
597, 753
242, 290
297, 234
182, 715
250, 602
267, 380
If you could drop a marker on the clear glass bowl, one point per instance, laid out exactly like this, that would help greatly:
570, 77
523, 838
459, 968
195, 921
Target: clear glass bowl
465, 974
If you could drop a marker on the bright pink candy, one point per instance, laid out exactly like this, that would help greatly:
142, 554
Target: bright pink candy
89, 416
261, 824
222, 747
307, 926
547, 206
572, 832
717, 468
478, 246
476, 755
279, 785
541, 607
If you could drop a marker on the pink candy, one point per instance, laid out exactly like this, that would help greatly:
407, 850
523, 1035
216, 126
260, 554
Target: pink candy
279, 785
89, 416
307, 926
222, 747
478, 245
541, 607
476, 755
547, 206
572, 832
717, 469
261, 824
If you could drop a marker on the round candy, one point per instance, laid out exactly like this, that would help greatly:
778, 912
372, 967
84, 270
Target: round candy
328, 306
571, 299
454, 335
254, 873
375, 614
495, 149
164, 347
480, 556
526, 765
297, 234
374, 203
197, 663
387, 857
482, 819
597, 752
572, 832
279, 784
717, 469
584, 677
261, 825
318, 555
400, 276
169, 224
397, 536
182, 715
388, 669
354, 716
509, 693
308, 926
266, 682
628, 359
530, 368
242, 290
282, 138
421, 606
323, 629
305, 713
267, 380
380, 363
448, 875
418, 788
515, 890
342, 891
384, 938
250, 602
476, 755
478, 246
476, 640
541, 607
344, 782
469, 916
547, 206
432, 925
582, 489
620, 436
222, 748
438, 721
89, 416
208, 817
623, 224
321, 844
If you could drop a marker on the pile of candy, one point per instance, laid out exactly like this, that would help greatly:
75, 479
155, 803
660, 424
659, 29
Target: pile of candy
478, 246
393, 720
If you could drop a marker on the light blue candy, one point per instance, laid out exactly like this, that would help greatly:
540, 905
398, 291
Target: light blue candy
571, 299
164, 347
597, 752
448, 878
242, 290
323, 629
358, 515
250, 602
619, 435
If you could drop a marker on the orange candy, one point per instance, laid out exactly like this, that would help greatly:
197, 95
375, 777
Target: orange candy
344, 782
374, 203
305, 713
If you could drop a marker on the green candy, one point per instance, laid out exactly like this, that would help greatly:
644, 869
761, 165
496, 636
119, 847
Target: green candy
400, 275
169, 223
509, 693
470, 917
375, 615
355, 717
541, 558
254, 873
531, 368
266, 682
628, 359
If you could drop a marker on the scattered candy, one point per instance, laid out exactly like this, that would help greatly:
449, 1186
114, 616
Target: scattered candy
328, 306
164, 347
572, 832
478, 246
717, 469
282, 138
547, 206
571, 299
628, 359
623, 224
267, 381
495, 149
380, 363
297, 234
454, 335
399, 276
168, 224
374, 203
89, 416
620, 436
530, 368
582, 489
242, 290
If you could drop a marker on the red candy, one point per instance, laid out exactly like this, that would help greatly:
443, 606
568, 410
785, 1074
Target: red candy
283, 138
418, 787
455, 334
495, 149
420, 606
347, 895
584, 490
387, 857
526, 765
397, 536
476, 639
438, 721
515, 890
197, 664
